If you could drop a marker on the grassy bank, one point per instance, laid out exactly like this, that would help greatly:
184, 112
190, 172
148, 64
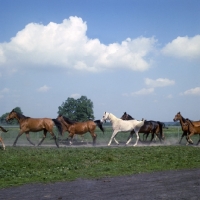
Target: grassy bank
20, 165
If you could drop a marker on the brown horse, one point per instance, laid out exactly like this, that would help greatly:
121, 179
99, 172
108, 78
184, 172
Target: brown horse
79, 128
184, 125
28, 124
1, 140
153, 127
193, 129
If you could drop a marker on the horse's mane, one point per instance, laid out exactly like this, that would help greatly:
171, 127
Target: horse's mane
188, 120
68, 120
184, 120
20, 116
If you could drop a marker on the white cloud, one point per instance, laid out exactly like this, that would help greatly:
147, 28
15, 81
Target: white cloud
75, 96
160, 82
193, 91
43, 89
170, 96
183, 47
143, 91
66, 45
5, 90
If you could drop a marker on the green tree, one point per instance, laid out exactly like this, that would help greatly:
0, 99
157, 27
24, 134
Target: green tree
77, 109
3, 117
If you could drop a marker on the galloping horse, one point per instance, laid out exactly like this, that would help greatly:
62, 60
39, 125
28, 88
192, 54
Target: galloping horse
28, 124
120, 125
153, 127
79, 128
192, 129
184, 125
1, 140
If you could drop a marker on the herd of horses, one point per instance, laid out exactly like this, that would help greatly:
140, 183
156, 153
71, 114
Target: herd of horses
124, 124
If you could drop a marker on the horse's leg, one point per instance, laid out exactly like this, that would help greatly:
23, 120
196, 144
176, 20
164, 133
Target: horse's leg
130, 137
4, 147
71, 135
54, 137
20, 133
199, 140
94, 136
113, 135
137, 135
188, 138
147, 135
44, 136
28, 138
152, 136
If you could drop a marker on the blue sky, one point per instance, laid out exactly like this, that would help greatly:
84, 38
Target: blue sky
138, 56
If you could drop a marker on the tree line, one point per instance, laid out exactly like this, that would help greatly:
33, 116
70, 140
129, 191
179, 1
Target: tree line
80, 109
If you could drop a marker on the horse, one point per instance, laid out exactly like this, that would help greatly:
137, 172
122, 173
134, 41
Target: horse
120, 125
1, 140
28, 124
193, 129
148, 127
184, 125
79, 128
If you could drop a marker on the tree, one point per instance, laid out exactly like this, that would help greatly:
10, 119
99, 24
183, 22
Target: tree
77, 109
3, 117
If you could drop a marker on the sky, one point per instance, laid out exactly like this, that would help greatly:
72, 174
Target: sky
136, 56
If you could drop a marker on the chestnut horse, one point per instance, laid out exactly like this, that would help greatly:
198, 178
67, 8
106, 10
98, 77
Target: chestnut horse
184, 125
193, 129
153, 127
28, 124
79, 128
1, 140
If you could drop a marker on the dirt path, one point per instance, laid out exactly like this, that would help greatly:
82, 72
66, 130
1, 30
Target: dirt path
184, 184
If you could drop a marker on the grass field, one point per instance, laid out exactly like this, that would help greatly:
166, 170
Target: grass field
21, 165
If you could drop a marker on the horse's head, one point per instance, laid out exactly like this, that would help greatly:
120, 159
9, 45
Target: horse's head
177, 117
59, 118
126, 116
11, 115
105, 116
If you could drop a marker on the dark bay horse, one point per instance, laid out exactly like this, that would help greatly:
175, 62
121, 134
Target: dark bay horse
1, 140
79, 128
184, 125
153, 127
193, 129
28, 124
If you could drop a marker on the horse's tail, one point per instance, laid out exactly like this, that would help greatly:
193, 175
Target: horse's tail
99, 124
2, 129
161, 129
58, 125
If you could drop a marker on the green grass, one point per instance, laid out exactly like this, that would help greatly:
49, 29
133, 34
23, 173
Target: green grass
21, 165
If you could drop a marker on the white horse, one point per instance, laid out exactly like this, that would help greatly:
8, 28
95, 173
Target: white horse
120, 125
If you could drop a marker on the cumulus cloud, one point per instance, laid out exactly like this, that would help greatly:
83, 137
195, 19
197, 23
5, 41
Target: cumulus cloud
144, 91
183, 47
160, 82
43, 89
193, 91
66, 45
